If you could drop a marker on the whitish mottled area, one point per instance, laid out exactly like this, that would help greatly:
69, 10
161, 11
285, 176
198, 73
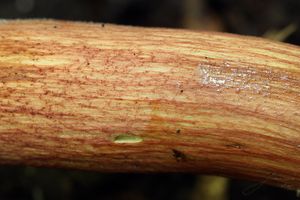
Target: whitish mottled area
238, 78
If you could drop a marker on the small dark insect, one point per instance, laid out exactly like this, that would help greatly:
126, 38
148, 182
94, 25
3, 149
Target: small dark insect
179, 156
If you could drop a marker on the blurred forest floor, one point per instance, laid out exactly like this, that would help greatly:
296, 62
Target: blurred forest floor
248, 17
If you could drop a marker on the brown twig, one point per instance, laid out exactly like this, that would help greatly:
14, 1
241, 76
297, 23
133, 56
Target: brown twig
126, 99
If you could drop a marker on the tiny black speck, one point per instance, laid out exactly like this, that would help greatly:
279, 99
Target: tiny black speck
178, 155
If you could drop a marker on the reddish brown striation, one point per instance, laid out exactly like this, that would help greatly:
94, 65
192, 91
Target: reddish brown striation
125, 99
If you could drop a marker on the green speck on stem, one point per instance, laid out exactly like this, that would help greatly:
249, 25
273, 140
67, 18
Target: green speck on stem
127, 139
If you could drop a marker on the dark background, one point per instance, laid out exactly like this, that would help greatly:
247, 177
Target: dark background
265, 18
